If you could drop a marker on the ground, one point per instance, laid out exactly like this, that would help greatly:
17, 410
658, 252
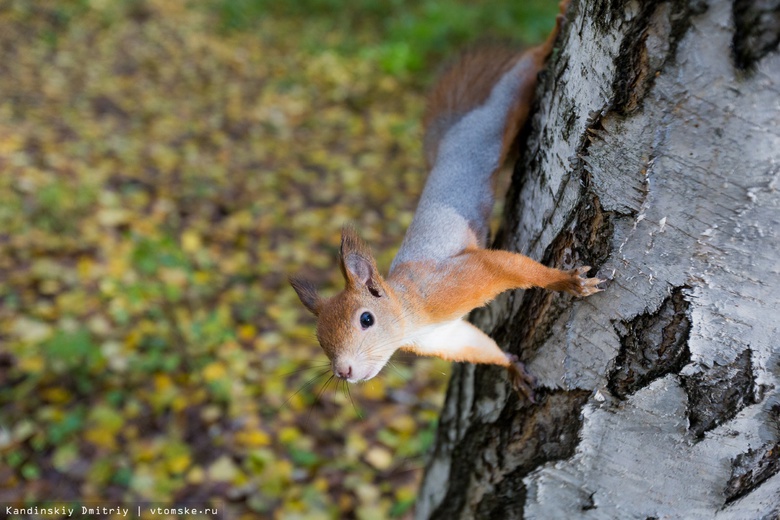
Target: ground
163, 168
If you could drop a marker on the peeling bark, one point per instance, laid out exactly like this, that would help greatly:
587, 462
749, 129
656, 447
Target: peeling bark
654, 157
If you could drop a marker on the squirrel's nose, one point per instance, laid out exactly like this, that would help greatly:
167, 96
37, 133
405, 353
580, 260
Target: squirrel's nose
344, 372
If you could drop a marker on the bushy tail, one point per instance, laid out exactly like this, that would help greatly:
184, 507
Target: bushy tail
467, 83
464, 85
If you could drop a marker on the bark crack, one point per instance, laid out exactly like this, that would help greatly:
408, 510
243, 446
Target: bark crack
717, 394
647, 46
652, 345
750, 469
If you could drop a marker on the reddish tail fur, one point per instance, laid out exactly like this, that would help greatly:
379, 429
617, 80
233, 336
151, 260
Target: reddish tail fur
467, 83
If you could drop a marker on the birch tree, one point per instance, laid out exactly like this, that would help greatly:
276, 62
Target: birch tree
654, 157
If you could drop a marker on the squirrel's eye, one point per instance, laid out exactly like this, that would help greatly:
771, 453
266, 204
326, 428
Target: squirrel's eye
366, 320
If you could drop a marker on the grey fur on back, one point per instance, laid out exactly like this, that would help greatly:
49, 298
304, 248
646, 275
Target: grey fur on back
456, 203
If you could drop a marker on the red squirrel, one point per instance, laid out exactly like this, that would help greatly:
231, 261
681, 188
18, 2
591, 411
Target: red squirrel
442, 270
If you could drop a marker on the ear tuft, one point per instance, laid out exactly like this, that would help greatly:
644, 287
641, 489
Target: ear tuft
352, 243
357, 262
307, 293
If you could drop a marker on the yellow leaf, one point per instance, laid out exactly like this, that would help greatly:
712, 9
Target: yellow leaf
146, 452
190, 241
214, 371
117, 266
85, 267
356, 445
162, 382
49, 287
374, 389
403, 424
254, 438
11, 143
405, 493
56, 395
179, 403
113, 216
321, 484
179, 463
133, 338
32, 364
289, 434
223, 470
379, 457
101, 437
196, 475
172, 276
247, 332
280, 471
210, 413
201, 277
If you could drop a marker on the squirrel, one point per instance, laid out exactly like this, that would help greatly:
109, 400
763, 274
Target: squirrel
442, 269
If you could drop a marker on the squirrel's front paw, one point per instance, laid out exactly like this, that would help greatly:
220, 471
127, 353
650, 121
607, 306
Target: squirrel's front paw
521, 380
578, 285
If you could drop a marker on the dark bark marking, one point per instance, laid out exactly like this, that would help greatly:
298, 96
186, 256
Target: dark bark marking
524, 440
756, 31
590, 503
647, 46
774, 414
652, 345
568, 126
749, 470
604, 14
719, 393
507, 502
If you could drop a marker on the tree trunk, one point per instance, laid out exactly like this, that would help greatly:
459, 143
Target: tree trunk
654, 157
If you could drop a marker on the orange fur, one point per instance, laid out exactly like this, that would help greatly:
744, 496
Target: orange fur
467, 83
475, 277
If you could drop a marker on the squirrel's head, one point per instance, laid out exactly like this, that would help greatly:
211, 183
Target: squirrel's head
361, 327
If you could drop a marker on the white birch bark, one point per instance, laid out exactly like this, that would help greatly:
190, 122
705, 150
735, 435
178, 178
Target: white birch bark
655, 158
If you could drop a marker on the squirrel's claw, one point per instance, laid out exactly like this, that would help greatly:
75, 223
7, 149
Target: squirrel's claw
581, 286
522, 381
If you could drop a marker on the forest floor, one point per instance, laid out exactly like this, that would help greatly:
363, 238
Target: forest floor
161, 174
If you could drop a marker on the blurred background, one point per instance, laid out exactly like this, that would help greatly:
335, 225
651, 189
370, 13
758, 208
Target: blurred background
164, 165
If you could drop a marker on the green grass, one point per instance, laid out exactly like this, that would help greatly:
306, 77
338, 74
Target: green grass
404, 36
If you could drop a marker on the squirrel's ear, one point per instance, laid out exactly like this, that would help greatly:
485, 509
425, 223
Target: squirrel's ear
307, 293
357, 262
